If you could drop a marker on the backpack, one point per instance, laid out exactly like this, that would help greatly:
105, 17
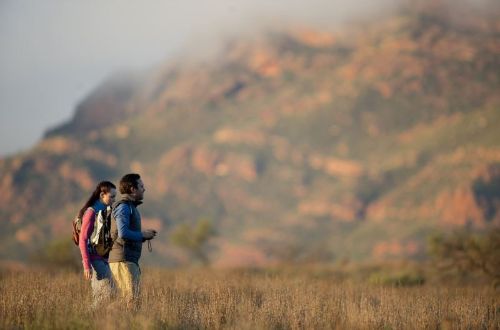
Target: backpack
77, 228
100, 241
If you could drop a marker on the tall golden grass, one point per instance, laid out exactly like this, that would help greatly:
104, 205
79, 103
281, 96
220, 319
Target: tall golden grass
244, 300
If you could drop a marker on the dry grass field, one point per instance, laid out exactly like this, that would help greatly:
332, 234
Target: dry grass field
244, 300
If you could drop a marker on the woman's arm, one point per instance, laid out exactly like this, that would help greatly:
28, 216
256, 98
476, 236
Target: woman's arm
86, 231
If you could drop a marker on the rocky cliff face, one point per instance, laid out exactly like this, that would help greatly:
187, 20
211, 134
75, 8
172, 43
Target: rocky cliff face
301, 146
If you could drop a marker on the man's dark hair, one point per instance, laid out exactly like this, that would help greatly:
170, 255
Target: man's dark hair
127, 182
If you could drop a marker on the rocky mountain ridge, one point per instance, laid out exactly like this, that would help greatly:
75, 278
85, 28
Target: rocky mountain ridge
300, 146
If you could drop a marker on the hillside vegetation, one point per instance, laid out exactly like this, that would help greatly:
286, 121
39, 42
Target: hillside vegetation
298, 146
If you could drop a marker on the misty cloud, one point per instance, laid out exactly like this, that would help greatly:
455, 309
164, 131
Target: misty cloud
54, 52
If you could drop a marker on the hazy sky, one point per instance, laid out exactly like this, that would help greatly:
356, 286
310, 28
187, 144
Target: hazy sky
53, 53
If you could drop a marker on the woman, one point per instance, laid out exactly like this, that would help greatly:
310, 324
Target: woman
96, 267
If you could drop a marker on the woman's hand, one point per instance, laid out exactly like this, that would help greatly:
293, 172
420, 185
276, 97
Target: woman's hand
87, 274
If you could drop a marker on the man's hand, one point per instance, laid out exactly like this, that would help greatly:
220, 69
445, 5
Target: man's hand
148, 234
87, 274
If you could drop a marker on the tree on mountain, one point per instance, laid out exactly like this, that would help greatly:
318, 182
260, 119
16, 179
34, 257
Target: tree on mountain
464, 253
57, 254
194, 239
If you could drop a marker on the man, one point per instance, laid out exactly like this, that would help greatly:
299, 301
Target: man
128, 238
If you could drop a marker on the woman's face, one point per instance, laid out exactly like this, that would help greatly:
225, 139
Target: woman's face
109, 197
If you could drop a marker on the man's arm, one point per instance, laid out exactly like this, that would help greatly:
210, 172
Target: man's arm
122, 217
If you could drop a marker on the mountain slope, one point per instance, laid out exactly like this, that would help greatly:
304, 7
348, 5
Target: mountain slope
300, 146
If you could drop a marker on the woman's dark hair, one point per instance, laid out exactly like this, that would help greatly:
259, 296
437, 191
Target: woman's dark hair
128, 182
102, 187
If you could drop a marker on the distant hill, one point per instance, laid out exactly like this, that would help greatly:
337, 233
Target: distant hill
301, 145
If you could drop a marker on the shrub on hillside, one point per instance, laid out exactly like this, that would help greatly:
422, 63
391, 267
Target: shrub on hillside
194, 239
403, 278
58, 254
465, 253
